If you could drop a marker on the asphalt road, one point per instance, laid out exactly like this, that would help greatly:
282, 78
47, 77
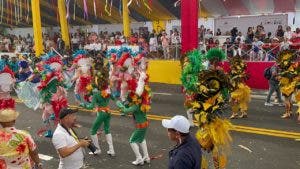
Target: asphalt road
262, 141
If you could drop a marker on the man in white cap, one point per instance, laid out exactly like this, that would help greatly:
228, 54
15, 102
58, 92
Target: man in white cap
187, 152
17, 147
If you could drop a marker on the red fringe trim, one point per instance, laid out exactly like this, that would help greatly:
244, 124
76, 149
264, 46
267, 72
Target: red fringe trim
54, 59
7, 104
83, 83
75, 61
123, 59
57, 105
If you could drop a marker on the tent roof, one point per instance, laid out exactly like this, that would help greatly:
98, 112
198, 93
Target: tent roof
109, 11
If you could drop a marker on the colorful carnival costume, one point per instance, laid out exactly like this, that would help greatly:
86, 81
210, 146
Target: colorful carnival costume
100, 100
296, 66
7, 81
53, 96
215, 56
83, 76
24, 71
122, 61
289, 78
139, 97
205, 90
240, 92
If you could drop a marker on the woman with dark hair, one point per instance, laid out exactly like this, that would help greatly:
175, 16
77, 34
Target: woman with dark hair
279, 33
250, 35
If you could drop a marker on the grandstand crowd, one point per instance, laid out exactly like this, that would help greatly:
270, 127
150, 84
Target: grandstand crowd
256, 45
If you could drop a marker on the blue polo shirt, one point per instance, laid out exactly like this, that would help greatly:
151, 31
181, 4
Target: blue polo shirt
187, 155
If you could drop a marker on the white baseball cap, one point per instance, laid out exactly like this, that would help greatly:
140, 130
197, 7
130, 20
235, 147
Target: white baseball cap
178, 122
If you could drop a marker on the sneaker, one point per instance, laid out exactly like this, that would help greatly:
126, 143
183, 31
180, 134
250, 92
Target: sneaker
268, 104
281, 105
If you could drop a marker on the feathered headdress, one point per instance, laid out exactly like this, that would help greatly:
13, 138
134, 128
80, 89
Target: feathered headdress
285, 58
215, 55
23, 64
191, 69
6, 76
238, 69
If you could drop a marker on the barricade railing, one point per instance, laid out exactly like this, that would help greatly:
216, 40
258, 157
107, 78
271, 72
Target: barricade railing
249, 52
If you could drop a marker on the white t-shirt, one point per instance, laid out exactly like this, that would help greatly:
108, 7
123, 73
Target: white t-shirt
61, 138
175, 39
288, 35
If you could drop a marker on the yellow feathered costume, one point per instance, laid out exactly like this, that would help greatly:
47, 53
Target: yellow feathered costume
204, 88
240, 92
289, 78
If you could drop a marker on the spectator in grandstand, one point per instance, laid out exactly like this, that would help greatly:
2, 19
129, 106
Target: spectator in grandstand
234, 33
288, 34
285, 44
297, 33
260, 33
29, 40
218, 33
201, 33
273, 49
250, 35
295, 40
175, 41
268, 39
256, 54
217, 43
202, 47
279, 33
153, 43
7, 43
242, 38
210, 44
208, 34
165, 45
75, 42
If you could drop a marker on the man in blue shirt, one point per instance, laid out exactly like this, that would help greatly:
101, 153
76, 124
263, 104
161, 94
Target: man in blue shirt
187, 152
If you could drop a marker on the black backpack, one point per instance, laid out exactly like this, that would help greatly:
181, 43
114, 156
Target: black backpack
268, 73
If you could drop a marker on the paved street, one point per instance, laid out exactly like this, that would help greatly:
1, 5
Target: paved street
262, 141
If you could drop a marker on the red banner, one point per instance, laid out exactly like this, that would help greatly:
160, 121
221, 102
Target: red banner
189, 25
256, 74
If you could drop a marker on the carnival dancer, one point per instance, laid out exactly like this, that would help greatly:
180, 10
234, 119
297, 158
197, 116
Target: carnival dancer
190, 74
100, 100
83, 76
240, 92
139, 98
53, 96
24, 71
7, 81
121, 72
14, 65
288, 78
215, 56
206, 101
297, 93
27, 90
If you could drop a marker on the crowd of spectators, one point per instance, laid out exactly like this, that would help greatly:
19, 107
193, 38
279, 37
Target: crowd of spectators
255, 45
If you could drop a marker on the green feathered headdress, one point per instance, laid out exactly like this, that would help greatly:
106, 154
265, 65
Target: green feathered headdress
191, 68
215, 55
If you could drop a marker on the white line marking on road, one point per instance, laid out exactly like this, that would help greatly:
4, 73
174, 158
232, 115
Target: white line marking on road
261, 97
166, 94
258, 96
45, 157
245, 148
